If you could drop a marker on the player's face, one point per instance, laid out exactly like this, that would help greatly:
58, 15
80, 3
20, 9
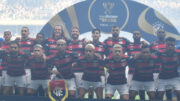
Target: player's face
170, 46
7, 35
57, 32
39, 38
96, 35
117, 52
37, 52
14, 48
61, 46
136, 36
161, 34
145, 53
75, 33
89, 52
24, 32
115, 32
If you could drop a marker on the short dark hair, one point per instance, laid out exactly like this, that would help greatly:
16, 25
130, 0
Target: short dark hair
75, 27
96, 29
25, 27
171, 39
40, 34
115, 26
15, 42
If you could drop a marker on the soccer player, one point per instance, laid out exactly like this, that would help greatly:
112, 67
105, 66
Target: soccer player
93, 72
170, 61
99, 46
39, 70
41, 40
144, 69
26, 43
4, 45
160, 43
99, 50
26, 46
57, 34
115, 39
63, 60
16, 62
116, 66
133, 49
76, 46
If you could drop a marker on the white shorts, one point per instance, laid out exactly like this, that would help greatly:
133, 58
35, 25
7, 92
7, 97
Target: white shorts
78, 78
122, 89
164, 84
86, 84
4, 74
19, 81
71, 85
139, 85
28, 77
35, 84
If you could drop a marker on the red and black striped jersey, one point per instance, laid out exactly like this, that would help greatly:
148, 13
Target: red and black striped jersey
92, 69
26, 45
63, 63
99, 48
15, 63
76, 47
134, 48
143, 70
109, 43
39, 69
116, 70
157, 46
169, 64
51, 45
4, 46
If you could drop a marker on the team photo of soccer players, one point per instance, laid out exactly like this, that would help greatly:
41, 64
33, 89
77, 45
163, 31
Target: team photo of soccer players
91, 68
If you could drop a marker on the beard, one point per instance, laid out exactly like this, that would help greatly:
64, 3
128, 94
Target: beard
161, 38
115, 35
137, 39
23, 35
75, 36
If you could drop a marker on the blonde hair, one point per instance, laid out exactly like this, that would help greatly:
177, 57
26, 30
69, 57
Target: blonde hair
38, 46
117, 46
61, 40
90, 45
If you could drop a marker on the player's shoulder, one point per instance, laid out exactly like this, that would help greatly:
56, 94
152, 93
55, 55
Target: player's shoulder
109, 38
